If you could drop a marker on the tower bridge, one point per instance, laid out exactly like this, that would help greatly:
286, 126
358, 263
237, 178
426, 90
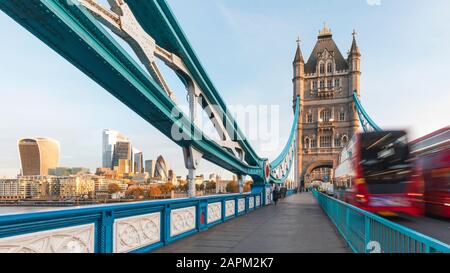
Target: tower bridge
325, 84
327, 112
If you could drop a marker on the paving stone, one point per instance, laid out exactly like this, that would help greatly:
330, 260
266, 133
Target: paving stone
297, 224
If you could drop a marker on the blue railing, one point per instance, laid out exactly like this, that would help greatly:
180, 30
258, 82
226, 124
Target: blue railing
130, 227
366, 232
291, 192
315, 193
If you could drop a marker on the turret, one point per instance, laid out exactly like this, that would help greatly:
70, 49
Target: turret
299, 90
354, 61
299, 74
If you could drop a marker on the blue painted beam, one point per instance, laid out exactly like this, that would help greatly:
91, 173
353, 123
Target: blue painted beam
363, 116
73, 33
292, 137
157, 19
284, 154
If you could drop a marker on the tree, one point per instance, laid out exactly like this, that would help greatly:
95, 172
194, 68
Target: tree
210, 186
166, 188
135, 192
247, 186
113, 188
232, 187
183, 187
131, 183
154, 191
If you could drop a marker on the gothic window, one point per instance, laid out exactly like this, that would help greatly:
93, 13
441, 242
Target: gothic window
325, 115
314, 85
342, 116
309, 118
322, 68
307, 143
337, 83
329, 68
322, 84
325, 141
313, 143
337, 142
330, 83
344, 140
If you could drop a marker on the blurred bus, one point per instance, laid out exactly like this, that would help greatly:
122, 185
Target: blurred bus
432, 159
377, 172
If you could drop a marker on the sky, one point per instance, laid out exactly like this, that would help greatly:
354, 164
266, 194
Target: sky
247, 47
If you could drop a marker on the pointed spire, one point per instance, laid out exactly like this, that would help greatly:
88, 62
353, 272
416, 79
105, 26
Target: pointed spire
298, 53
325, 32
354, 49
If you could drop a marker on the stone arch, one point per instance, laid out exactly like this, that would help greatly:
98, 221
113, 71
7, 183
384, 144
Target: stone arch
319, 164
344, 139
315, 165
307, 143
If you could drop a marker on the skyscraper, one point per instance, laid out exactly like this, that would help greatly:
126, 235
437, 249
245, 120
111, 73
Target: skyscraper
138, 160
110, 138
122, 150
37, 155
161, 168
123, 167
150, 166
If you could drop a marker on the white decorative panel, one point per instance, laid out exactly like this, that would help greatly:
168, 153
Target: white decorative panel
77, 239
241, 205
268, 197
214, 212
182, 220
258, 201
251, 202
134, 232
229, 208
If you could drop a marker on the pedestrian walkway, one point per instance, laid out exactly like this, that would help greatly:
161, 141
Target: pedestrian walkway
296, 224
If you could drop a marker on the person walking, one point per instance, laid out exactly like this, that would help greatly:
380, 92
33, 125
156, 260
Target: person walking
275, 195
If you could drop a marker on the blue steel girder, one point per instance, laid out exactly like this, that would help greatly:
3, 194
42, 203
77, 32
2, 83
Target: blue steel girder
158, 20
366, 122
74, 34
281, 166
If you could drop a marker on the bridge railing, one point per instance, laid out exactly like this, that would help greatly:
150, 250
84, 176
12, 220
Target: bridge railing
130, 227
366, 232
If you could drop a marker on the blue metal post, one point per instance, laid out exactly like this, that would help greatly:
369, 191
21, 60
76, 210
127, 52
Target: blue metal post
367, 238
106, 233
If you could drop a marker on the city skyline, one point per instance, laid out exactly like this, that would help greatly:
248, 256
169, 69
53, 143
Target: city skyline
50, 151
387, 72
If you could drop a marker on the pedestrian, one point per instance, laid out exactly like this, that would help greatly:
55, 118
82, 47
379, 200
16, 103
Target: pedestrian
275, 195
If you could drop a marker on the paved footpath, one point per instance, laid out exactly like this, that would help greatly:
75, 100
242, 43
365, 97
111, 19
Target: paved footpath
296, 224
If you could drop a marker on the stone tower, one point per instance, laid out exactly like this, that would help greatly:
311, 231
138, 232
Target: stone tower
328, 118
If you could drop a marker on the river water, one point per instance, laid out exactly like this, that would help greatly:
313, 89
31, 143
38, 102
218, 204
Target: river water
16, 210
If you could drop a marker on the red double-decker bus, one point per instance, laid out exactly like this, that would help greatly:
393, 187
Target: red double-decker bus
432, 160
378, 173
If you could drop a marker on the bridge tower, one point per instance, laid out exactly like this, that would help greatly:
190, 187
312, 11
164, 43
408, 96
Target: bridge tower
328, 117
